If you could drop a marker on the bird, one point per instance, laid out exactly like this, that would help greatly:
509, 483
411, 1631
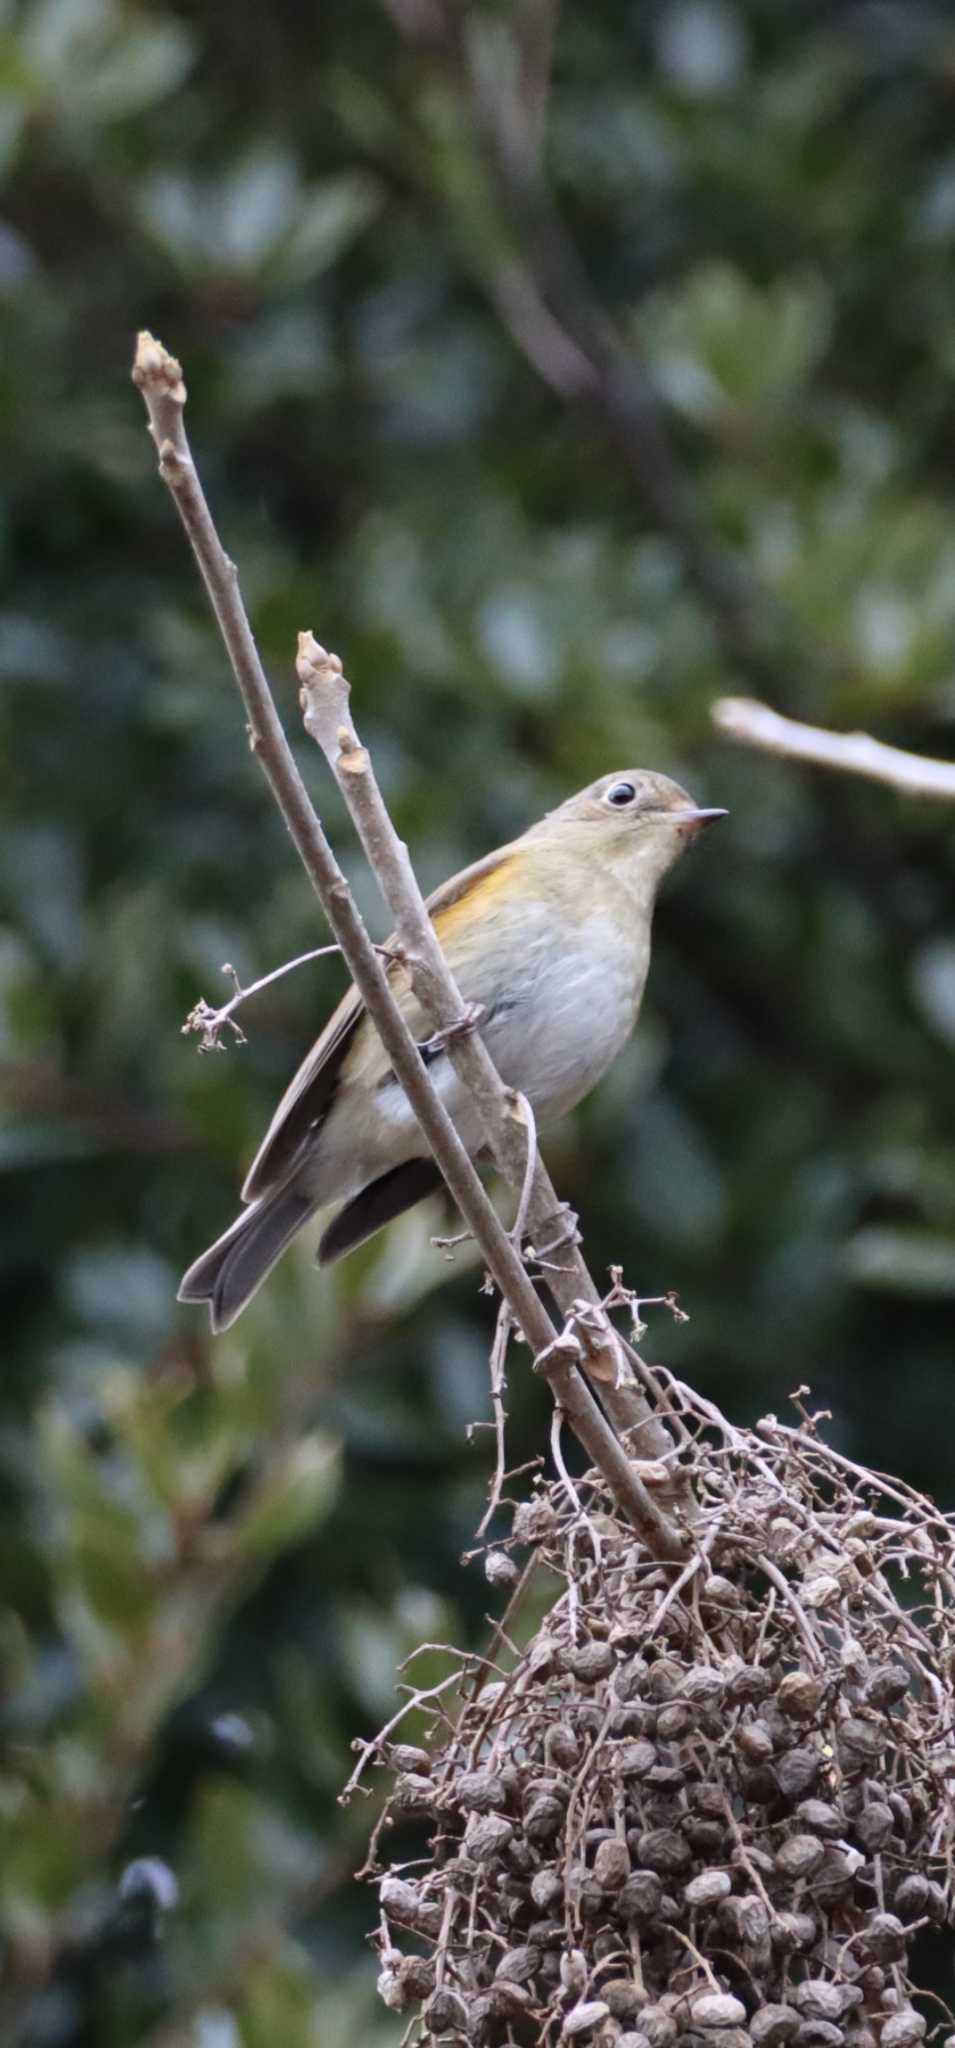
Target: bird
548, 938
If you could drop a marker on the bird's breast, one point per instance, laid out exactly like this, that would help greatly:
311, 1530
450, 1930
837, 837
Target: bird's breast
570, 1009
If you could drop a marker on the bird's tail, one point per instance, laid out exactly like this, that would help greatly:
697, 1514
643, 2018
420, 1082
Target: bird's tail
233, 1269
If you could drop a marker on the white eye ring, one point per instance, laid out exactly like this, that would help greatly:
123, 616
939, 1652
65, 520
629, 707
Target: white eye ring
620, 794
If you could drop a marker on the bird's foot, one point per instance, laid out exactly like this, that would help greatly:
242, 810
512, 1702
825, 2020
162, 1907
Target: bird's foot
568, 1234
429, 1048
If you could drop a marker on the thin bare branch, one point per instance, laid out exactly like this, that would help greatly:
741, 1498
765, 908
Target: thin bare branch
211, 1022
159, 377
852, 753
328, 718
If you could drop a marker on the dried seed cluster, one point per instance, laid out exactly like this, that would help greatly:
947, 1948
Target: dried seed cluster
708, 1804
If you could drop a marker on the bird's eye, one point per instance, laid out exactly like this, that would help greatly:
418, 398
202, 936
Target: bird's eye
620, 794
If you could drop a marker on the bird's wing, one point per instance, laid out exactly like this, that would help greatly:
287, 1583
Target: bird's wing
311, 1092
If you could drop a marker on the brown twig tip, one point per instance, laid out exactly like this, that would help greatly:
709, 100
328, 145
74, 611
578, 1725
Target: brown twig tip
154, 369
314, 664
323, 696
852, 753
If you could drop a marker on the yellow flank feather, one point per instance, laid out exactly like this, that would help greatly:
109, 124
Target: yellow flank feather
366, 1062
468, 908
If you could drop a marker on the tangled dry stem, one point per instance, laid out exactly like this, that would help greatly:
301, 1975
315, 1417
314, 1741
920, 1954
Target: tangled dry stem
708, 1805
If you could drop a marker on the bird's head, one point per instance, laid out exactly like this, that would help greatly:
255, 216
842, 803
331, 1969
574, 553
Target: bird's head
633, 822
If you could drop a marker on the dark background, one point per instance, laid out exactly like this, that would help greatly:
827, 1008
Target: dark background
215, 1555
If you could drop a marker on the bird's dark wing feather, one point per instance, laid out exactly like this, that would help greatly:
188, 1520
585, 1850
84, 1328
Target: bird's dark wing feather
306, 1101
378, 1204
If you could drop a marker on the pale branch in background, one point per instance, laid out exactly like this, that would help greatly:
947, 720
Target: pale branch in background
852, 753
556, 1355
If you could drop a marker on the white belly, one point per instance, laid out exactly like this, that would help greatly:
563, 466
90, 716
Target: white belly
567, 1029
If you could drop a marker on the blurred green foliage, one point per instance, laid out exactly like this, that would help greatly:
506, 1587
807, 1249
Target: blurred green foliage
215, 1556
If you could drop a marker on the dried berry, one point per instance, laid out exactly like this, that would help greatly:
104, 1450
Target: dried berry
703, 1686
534, 1521
819, 2034
800, 1856
662, 1849
792, 1932
746, 1919
547, 1889
486, 1836
708, 1889
911, 1897
543, 1821
624, 1997
561, 1747
799, 1694
884, 1938
835, 1874
403, 1902
584, 2018
499, 1569
415, 1978
819, 1818
717, 2009
634, 1759
706, 1837
519, 1965
658, 2025
887, 1684
444, 2010
612, 1865
902, 2029
590, 1662
754, 1741
480, 1791
747, 1682
772, 2026
859, 1743
405, 1756
874, 1824
720, 1593
674, 1720
797, 1772
414, 1794
640, 1897
817, 1998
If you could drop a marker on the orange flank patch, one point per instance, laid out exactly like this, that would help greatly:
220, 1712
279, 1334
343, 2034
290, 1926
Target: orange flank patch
475, 899
366, 1062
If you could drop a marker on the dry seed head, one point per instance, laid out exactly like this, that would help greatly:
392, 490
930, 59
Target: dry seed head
701, 1781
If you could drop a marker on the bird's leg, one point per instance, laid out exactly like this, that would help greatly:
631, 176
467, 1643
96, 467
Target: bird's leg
429, 1048
568, 1234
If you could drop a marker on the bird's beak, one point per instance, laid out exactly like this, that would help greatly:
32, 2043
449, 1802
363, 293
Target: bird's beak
692, 820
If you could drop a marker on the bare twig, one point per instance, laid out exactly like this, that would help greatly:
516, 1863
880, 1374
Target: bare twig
853, 753
558, 1458
327, 714
210, 1022
524, 1114
159, 377
498, 1361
